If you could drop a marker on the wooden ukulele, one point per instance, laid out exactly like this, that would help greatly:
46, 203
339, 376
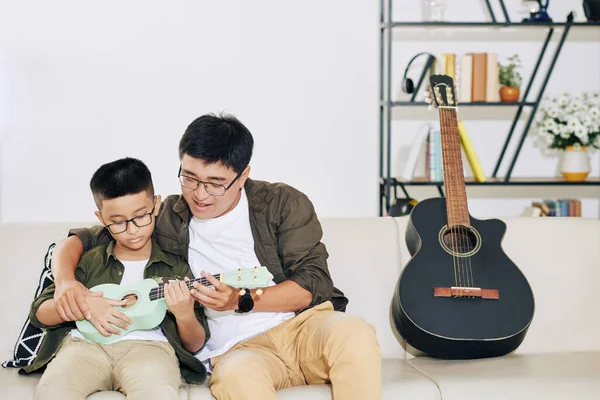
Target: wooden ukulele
459, 296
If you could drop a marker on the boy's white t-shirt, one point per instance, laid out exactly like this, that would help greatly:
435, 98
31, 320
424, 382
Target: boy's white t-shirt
133, 273
225, 244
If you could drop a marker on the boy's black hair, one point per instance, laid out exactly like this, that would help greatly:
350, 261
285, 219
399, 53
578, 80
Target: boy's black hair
121, 178
216, 139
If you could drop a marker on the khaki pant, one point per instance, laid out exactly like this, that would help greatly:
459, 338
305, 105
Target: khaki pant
141, 369
317, 346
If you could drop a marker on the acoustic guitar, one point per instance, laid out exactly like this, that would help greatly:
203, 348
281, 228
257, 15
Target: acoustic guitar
146, 305
460, 296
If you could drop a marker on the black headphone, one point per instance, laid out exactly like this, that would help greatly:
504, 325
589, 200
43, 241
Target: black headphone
408, 85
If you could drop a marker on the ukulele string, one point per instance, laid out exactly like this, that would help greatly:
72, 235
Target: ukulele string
159, 292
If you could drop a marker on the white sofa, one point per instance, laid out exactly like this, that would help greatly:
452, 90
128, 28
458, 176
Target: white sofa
559, 358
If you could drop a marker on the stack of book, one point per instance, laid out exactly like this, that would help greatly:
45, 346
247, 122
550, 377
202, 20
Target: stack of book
428, 144
554, 208
475, 74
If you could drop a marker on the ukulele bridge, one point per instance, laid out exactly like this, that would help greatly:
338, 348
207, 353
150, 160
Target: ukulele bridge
456, 291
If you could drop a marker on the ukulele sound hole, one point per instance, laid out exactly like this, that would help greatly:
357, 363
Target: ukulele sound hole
131, 299
460, 241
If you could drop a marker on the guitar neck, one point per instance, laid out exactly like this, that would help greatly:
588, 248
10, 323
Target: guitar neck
454, 179
159, 292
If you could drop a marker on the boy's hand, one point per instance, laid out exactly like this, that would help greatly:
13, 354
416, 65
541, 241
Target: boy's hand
105, 315
179, 300
69, 297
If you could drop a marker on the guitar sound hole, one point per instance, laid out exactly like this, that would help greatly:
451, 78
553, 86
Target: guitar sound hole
131, 300
460, 240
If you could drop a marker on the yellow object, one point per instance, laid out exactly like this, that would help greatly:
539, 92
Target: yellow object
470, 153
450, 64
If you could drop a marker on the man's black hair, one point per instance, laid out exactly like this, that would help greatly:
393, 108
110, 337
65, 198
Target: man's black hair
121, 178
217, 139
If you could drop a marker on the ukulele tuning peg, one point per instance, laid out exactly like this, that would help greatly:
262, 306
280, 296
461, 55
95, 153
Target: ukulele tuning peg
259, 292
242, 292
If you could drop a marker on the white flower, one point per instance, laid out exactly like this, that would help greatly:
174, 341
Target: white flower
595, 113
550, 125
553, 112
572, 123
563, 100
582, 133
575, 106
549, 139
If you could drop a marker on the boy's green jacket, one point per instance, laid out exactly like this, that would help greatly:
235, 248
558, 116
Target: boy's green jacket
99, 266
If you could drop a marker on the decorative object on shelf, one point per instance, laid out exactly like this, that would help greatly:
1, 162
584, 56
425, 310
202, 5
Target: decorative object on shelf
591, 9
510, 79
433, 10
541, 15
408, 86
575, 164
571, 122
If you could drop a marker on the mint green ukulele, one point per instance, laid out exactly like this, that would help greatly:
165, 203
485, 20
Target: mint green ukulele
147, 307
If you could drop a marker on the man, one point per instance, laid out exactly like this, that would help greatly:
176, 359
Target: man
293, 333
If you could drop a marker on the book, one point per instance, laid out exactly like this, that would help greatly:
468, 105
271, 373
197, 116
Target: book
465, 141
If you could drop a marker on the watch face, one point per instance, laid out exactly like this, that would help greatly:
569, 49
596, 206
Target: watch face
246, 303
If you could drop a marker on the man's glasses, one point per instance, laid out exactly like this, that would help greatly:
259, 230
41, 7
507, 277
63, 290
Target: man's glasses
121, 226
215, 189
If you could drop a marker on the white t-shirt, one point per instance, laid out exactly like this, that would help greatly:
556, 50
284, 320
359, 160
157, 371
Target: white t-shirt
134, 272
224, 244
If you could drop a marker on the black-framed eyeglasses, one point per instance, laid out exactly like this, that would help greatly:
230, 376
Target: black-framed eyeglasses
143, 220
215, 189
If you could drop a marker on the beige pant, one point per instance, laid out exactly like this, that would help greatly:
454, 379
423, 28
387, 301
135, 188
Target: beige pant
317, 346
141, 369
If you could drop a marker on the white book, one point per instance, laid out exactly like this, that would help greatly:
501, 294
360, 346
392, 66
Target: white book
466, 77
415, 152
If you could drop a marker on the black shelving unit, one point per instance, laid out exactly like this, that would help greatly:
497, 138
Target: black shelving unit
387, 181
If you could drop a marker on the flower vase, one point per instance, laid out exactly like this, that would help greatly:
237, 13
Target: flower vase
575, 163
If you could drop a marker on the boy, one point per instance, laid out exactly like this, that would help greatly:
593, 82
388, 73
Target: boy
141, 364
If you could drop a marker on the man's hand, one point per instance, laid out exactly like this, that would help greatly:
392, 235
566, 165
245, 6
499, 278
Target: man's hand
221, 298
69, 297
179, 300
105, 315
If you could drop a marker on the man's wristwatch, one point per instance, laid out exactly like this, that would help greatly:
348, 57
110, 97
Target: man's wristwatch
245, 303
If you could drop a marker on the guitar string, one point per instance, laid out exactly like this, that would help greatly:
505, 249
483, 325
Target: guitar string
443, 137
462, 230
465, 235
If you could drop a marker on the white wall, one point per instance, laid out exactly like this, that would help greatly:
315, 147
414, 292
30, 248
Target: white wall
82, 83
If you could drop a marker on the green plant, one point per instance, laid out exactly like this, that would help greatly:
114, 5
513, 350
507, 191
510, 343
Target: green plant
508, 74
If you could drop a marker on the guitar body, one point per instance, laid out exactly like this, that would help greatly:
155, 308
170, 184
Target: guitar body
459, 327
144, 312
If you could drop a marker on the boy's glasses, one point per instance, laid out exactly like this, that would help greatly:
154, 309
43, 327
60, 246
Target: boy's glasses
121, 226
215, 189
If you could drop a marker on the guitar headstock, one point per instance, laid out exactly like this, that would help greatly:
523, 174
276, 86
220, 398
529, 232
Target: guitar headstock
442, 92
250, 278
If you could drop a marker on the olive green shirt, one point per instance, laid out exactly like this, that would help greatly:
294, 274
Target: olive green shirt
286, 231
98, 266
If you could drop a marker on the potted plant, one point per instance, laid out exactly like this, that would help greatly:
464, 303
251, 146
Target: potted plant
510, 80
571, 123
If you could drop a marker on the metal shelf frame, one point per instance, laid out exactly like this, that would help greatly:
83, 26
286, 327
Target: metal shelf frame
387, 182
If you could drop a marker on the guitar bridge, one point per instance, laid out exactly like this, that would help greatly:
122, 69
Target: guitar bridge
456, 291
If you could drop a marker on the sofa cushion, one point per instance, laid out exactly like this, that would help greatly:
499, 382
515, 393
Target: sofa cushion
399, 380
17, 386
559, 257
31, 336
516, 376
365, 264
